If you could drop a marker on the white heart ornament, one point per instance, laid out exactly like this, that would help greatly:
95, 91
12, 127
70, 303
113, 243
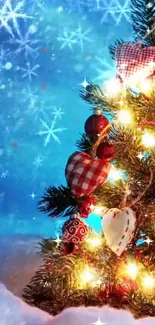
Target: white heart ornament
118, 227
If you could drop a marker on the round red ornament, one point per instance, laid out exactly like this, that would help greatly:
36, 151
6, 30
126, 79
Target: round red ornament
86, 207
74, 231
95, 124
105, 151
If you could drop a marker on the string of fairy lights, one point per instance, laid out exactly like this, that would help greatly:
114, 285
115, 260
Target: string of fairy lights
135, 271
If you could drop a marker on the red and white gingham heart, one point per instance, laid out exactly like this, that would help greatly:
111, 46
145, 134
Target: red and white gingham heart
84, 174
134, 62
118, 228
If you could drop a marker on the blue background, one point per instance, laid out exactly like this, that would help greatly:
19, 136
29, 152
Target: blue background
47, 50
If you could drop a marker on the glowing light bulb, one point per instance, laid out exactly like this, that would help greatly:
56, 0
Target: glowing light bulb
94, 241
145, 86
124, 116
132, 270
98, 209
148, 139
148, 282
115, 174
113, 87
88, 275
121, 102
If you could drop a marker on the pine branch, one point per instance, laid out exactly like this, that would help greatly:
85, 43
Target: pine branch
94, 95
85, 144
48, 246
110, 195
143, 20
58, 202
113, 48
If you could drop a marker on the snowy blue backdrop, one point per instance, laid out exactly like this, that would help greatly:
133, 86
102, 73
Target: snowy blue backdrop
49, 49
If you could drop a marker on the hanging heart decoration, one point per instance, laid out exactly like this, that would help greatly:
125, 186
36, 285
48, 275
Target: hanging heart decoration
134, 62
118, 227
84, 174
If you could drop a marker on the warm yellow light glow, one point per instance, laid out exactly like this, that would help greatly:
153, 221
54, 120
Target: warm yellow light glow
99, 209
113, 87
148, 139
140, 156
121, 102
124, 116
115, 174
148, 282
132, 270
98, 282
148, 241
94, 241
152, 64
145, 86
88, 276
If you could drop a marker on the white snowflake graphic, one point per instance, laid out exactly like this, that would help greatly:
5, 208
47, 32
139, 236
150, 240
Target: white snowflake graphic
116, 10
25, 45
29, 72
9, 14
38, 162
68, 39
4, 174
57, 112
74, 37
50, 131
82, 37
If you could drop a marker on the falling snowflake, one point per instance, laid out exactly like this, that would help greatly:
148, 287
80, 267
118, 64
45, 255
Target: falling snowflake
38, 162
67, 39
4, 173
30, 96
57, 112
50, 131
115, 10
30, 71
26, 45
77, 36
9, 14
81, 36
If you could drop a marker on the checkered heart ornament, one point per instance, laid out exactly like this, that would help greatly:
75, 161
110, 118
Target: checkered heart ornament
135, 62
84, 174
118, 228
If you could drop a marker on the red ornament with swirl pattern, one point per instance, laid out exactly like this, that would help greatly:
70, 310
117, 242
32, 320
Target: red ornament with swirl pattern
74, 231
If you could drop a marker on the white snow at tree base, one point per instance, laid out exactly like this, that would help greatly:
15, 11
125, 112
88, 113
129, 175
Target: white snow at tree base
90, 315
13, 311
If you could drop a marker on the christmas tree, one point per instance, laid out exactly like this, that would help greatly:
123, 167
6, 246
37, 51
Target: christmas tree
113, 174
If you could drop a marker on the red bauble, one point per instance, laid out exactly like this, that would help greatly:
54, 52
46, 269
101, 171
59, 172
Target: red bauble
124, 288
95, 124
74, 231
105, 151
85, 207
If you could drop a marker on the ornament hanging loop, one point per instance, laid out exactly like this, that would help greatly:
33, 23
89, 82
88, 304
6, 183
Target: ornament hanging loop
102, 135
